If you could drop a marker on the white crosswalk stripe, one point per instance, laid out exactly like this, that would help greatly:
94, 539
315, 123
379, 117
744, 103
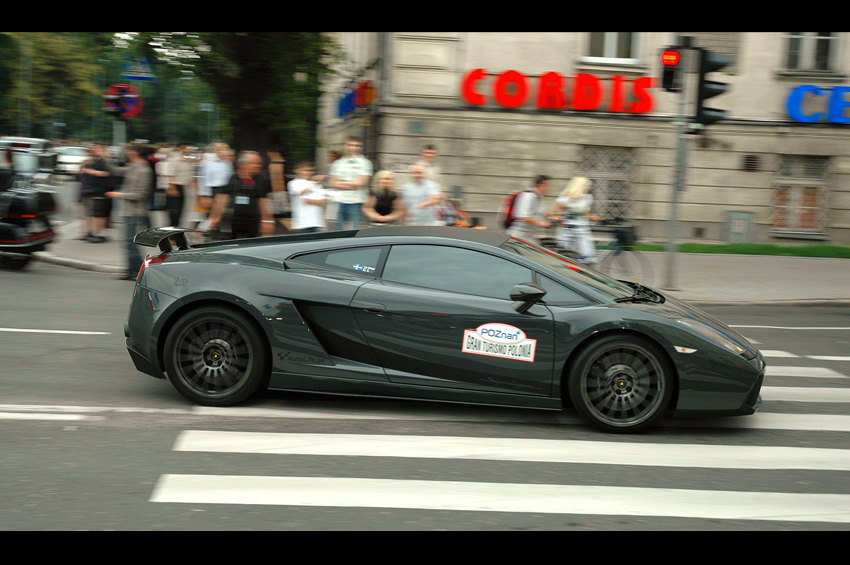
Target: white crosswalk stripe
501, 497
666, 501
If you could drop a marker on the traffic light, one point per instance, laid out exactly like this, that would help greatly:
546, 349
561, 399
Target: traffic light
671, 60
709, 63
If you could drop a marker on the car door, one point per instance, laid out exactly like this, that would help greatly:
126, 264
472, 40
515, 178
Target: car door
442, 316
323, 285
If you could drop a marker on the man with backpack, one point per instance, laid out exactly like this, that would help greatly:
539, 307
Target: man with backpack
529, 220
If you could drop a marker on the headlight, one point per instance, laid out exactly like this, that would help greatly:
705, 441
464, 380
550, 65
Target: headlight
731, 341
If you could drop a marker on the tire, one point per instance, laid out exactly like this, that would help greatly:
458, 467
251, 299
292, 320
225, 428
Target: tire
621, 383
627, 266
15, 262
216, 357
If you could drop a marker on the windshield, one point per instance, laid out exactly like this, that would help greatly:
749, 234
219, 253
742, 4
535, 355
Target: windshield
73, 151
570, 269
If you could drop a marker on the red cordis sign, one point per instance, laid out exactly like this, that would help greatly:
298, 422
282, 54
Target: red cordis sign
512, 89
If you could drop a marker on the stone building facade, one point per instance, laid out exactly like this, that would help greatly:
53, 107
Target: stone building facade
504, 107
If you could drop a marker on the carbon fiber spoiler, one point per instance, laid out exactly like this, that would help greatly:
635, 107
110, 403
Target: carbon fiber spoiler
167, 239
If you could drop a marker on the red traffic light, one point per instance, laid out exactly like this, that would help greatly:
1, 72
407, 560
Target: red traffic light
670, 58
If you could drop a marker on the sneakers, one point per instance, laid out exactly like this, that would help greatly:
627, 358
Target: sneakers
97, 238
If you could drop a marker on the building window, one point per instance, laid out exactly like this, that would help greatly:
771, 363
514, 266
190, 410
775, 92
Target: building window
811, 51
613, 47
610, 169
800, 194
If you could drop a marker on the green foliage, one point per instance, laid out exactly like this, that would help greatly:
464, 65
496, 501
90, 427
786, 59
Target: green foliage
47, 76
818, 250
265, 86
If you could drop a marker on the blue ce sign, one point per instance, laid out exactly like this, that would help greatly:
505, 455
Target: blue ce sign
836, 104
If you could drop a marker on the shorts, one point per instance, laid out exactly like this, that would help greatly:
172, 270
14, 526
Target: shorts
101, 207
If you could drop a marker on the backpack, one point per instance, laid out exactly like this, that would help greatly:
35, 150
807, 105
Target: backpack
506, 210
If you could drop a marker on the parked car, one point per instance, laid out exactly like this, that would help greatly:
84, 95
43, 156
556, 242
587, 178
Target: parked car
70, 160
443, 314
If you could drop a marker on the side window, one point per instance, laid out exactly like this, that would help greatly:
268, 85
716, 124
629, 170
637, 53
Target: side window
362, 260
559, 295
454, 269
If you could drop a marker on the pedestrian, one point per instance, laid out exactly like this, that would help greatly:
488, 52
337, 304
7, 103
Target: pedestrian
422, 199
530, 219
242, 208
99, 184
281, 206
384, 206
428, 161
350, 176
575, 206
308, 200
217, 170
135, 192
84, 196
182, 169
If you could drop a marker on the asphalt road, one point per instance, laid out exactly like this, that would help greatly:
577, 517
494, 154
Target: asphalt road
90, 444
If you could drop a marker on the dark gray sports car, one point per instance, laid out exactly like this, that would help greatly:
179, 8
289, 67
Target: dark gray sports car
442, 314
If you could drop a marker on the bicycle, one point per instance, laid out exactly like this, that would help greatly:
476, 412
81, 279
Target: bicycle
615, 256
618, 258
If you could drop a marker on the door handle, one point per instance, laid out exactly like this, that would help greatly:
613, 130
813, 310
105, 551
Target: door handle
370, 306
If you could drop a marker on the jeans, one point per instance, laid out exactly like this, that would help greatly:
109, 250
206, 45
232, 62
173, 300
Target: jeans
349, 213
132, 226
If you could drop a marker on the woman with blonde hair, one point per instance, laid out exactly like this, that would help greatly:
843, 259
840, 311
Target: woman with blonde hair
574, 206
384, 206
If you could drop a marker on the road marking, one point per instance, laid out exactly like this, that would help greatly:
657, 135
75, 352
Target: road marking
787, 354
773, 353
795, 328
804, 394
60, 332
36, 416
510, 449
814, 372
829, 357
500, 497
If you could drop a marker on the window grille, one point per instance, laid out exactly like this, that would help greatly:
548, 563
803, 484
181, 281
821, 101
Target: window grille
611, 170
800, 196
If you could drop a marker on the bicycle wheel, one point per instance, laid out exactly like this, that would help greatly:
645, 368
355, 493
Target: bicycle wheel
627, 266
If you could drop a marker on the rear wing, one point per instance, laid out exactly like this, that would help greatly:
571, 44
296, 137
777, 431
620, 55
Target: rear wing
167, 239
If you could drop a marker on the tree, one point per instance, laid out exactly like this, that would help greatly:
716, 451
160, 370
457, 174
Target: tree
46, 75
268, 83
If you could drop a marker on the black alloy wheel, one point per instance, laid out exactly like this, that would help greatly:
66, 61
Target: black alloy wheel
216, 357
621, 383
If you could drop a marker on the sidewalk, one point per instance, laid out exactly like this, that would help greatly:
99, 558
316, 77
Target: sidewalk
698, 278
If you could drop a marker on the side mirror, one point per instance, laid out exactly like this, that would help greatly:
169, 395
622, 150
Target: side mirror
526, 295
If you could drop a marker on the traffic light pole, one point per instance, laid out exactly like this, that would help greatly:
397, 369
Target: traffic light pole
682, 141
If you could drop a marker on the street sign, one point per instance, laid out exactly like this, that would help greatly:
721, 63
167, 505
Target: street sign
138, 70
123, 100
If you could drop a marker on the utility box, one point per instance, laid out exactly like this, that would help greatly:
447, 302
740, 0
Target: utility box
739, 227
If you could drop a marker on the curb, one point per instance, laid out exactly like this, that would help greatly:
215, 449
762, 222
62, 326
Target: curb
76, 264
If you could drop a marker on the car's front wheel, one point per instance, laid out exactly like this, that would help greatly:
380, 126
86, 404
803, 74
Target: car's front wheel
621, 383
215, 357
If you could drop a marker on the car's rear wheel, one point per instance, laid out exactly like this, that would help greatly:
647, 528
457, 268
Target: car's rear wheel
216, 357
621, 383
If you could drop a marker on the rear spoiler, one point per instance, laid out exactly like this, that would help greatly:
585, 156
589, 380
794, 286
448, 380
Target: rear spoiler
165, 238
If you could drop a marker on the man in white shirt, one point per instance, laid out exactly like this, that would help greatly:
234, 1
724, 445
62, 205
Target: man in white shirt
530, 220
350, 176
422, 199
307, 199
216, 172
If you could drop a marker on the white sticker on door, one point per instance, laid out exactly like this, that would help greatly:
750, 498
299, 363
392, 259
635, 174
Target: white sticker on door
500, 340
